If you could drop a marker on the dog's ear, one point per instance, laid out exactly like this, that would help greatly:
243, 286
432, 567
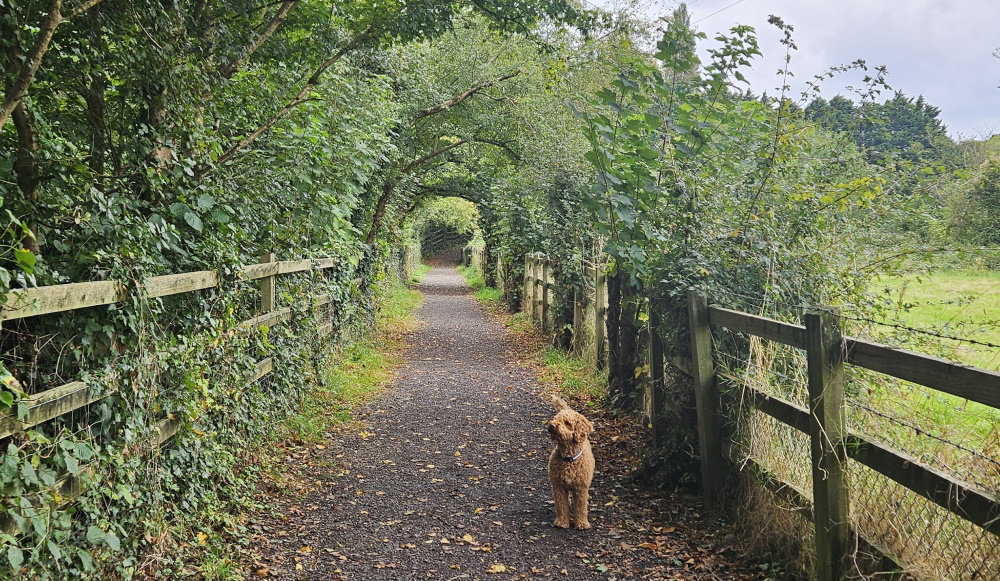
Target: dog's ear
581, 428
559, 403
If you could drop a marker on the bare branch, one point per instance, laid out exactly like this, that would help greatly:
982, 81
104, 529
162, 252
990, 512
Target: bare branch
461, 97
286, 7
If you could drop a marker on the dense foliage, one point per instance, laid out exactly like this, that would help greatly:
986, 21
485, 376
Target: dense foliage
143, 138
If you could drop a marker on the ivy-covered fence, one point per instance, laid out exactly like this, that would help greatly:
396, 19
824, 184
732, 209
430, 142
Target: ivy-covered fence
827, 422
133, 406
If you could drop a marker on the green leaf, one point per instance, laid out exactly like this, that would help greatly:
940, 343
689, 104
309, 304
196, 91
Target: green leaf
15, 556
95, 534
194, 221
205, 201
112, 541
6, 398
54, 549
72, 466
25, 259
85, 559
221, 217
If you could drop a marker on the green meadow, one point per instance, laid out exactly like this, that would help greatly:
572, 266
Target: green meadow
953, 303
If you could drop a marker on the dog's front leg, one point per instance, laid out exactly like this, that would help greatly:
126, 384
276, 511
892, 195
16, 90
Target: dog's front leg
561, 496
580, 499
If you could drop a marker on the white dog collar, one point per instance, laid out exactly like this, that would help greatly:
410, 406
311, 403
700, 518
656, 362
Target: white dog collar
578, 454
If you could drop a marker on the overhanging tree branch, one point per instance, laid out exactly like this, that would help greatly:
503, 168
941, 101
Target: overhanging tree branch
230, 68
424, 159
300, 97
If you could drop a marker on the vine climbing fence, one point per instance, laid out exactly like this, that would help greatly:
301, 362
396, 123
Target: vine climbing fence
131, 400
888, 458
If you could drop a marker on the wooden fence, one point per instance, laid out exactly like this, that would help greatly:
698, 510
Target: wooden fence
64, 399
832, 446
538, 282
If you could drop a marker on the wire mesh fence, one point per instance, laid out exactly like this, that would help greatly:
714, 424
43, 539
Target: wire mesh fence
956, 437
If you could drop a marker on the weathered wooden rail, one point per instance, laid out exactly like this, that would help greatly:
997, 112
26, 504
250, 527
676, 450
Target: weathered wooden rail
64, 399
832, 446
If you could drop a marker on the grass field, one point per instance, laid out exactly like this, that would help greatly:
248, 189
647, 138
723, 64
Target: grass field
956, 303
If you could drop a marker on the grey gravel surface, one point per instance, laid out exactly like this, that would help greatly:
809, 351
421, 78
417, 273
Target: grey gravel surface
447, 477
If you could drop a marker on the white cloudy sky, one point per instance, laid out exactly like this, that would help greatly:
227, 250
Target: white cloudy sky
941, 49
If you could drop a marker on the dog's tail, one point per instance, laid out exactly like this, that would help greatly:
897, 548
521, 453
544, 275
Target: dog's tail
559, 403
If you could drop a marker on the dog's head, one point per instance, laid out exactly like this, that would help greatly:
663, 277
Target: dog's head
567, 426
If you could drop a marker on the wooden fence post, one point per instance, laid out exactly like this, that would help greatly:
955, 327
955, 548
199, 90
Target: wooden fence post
267, 288
825, 358
545, 293
527, 290
706, 398
656, 374
577, 322
600, 312
534, 287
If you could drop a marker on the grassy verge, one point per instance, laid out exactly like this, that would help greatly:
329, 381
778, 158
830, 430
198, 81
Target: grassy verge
419, 272
365, 367
571, 374
360, 372
488, 295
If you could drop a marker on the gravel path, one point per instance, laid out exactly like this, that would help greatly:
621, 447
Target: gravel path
447, 479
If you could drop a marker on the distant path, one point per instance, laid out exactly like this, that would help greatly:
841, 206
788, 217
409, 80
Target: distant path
448, 479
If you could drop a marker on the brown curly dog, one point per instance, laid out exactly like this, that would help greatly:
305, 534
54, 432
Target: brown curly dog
571, 465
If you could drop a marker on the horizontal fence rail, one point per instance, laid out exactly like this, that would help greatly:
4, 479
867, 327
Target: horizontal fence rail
46, 300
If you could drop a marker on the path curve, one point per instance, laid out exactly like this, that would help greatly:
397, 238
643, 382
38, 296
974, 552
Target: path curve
448, 479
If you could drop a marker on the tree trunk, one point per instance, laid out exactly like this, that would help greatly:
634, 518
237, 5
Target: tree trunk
623, 340
26, 170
